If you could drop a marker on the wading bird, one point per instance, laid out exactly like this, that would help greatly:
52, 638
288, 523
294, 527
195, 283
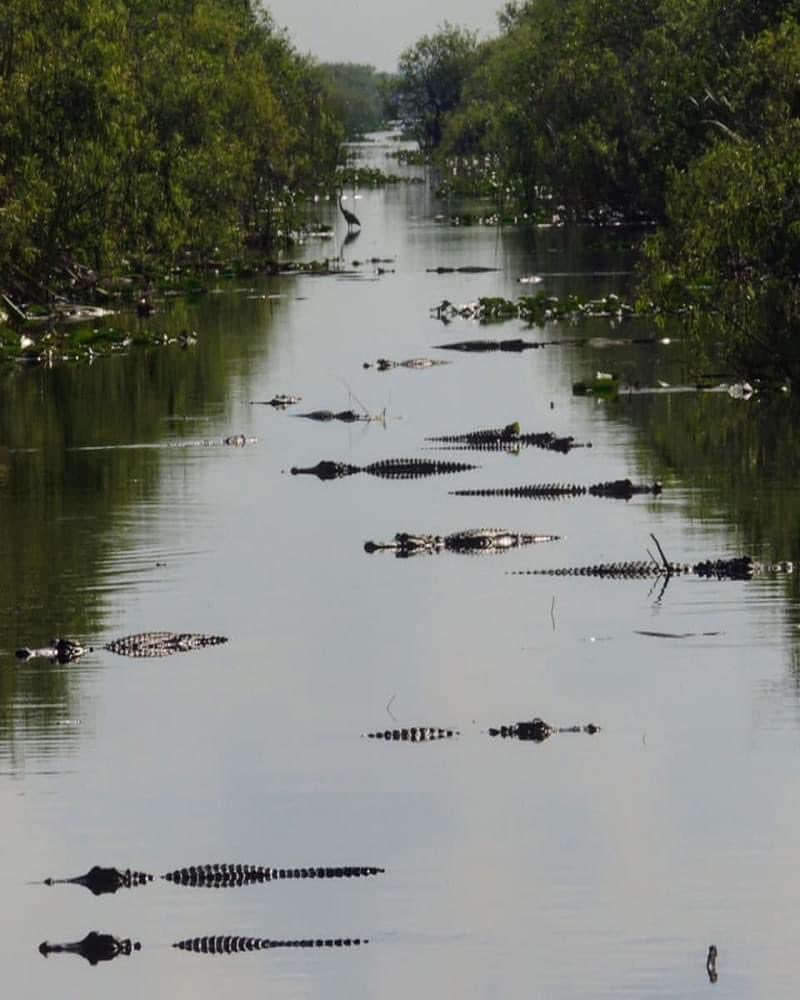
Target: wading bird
349, 217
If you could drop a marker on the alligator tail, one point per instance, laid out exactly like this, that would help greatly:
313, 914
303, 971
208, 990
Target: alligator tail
224, 876
234, 944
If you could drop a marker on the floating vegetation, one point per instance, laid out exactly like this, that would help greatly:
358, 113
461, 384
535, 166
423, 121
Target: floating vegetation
370, 177
533, 309
79, 343
410, 157
478, 177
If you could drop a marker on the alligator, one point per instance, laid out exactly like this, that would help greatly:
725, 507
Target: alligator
467, 269
94, 947
279, 401
617, 489
385, 364
538, 730
517, 345
390, 468
472, 541
509, 438
141, 644
231, 440
413, 734
737, 568
234, 944
102, 881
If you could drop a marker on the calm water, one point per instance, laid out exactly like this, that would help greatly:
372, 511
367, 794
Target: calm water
586, 866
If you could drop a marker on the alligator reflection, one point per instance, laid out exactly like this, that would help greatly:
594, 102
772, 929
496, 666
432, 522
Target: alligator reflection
94, 947
101, 881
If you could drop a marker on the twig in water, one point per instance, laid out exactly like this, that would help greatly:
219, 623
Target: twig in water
391, 714
552, 609
667, 568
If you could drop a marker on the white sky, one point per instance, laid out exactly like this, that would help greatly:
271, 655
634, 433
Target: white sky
374, 31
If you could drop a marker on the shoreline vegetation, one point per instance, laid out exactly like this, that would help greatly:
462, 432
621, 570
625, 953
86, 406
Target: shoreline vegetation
136, 132
143, 140
683, 114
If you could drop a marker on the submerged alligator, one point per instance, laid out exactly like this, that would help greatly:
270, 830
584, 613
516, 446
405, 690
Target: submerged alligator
515, 345
140, 644
538, 730
386, 364
616, 489
344, 416
279, 401
231, 440
737, 568
390, 468
96, 947
471, 542
413, 734
509, 438
101, 881
535, 729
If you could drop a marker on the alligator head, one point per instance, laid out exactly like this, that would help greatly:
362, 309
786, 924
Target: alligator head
327, 470
94, 947
100, 881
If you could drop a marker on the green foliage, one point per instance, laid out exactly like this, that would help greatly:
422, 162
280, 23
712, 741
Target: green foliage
131, 126
432, 74
358, 96
732, 246
680, 112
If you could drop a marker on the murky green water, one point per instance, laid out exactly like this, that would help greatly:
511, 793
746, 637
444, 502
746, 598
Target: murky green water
584, 866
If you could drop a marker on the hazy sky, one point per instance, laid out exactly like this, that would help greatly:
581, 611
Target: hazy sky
374, 31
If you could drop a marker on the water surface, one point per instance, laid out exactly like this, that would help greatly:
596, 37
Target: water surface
599, 866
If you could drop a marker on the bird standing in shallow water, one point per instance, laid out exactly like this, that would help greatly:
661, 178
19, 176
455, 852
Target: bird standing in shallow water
349, 217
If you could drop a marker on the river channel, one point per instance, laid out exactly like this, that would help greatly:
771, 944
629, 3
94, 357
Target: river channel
597, 865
